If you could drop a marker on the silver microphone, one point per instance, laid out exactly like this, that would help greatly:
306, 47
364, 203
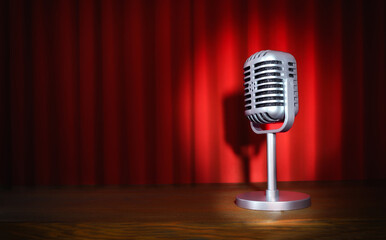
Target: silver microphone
271, 95
268, 76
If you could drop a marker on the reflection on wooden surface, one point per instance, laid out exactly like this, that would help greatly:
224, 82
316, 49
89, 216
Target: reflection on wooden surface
340, 210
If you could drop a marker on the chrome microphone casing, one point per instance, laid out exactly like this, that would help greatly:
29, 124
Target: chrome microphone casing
270, 84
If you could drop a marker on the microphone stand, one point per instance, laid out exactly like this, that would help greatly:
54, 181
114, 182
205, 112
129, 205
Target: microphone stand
272, 199
272, 194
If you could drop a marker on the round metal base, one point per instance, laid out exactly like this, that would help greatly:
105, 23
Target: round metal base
287, 201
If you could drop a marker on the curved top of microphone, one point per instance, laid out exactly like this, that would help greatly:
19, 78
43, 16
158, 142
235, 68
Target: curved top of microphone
271, 92
270, 55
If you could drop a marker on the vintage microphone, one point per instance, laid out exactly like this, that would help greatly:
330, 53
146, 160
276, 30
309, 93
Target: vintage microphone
271, 95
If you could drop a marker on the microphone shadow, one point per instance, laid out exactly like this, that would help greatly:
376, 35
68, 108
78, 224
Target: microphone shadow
238, 133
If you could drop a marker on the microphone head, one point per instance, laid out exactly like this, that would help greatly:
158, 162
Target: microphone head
264, 75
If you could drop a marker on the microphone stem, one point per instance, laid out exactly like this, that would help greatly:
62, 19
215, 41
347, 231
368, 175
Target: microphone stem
272, 194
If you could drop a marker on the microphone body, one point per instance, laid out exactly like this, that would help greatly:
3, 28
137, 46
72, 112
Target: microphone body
270, 78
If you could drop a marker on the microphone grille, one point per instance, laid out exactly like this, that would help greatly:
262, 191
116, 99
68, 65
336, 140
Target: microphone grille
264, 75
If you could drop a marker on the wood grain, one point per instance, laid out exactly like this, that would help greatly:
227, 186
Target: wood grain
339, 210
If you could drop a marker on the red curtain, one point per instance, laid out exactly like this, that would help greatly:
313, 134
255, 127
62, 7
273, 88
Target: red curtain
151, 92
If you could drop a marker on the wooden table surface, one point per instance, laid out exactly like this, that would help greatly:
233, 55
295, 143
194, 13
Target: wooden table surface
339, 210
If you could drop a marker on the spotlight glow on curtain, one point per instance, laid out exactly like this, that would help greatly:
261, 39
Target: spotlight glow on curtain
144, 92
